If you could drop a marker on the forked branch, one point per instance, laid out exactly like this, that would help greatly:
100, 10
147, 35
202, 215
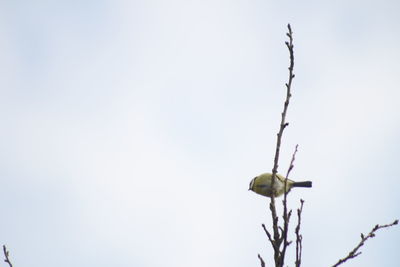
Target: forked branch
278, 238
354, 253
6, 254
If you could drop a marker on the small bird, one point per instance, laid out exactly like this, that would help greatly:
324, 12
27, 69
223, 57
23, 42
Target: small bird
262, 185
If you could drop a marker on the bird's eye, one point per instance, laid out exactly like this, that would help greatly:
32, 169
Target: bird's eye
251, 184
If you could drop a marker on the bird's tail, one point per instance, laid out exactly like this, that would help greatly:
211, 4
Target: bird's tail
302, 184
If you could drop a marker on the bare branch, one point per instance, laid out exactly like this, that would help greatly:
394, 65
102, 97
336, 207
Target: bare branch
299, 237
269, 236
292, 161
6, 254
281, 237
286, 214
276, 242
280, 256
354, 253
261, 260
284, 124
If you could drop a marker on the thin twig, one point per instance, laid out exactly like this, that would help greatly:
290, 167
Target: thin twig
261, 260
6, 254
292, 162
354, 253
286, 214
299, 237
269, 236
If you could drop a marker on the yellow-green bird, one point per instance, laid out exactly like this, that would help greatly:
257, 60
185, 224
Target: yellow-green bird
262, 185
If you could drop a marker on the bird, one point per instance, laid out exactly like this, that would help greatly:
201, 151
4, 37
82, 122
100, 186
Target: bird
262, 185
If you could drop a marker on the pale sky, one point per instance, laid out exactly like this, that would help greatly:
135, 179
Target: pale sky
130, 130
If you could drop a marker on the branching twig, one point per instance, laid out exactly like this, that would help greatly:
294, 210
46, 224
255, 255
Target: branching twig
354, 253
299, 237
277, 239
6, 254
279, 234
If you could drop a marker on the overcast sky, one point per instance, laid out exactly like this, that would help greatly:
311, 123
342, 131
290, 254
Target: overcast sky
130, 130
